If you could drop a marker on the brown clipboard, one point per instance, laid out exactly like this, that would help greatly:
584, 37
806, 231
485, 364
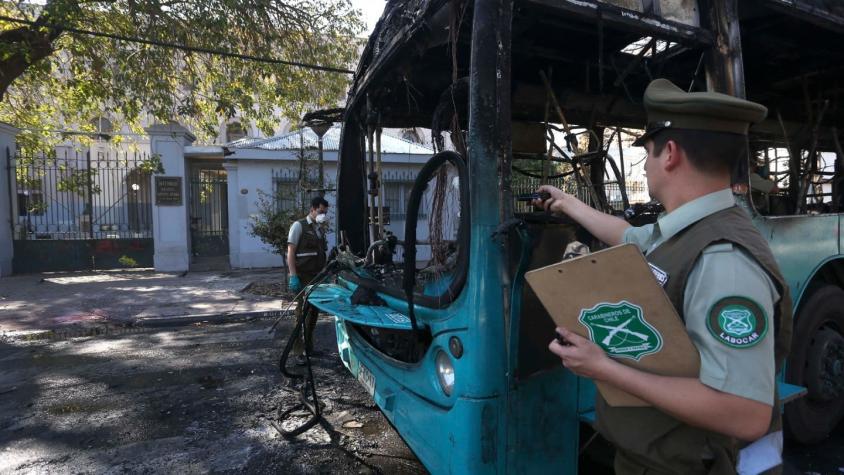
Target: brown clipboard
613, 298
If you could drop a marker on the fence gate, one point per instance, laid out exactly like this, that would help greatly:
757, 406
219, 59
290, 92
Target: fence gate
81, 210
209, 216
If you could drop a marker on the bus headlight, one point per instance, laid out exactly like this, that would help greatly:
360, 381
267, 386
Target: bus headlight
445, 372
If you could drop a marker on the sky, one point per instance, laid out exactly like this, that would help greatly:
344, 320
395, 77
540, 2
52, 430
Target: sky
372, 10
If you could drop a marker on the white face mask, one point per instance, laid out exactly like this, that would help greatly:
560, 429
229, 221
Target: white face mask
321, 218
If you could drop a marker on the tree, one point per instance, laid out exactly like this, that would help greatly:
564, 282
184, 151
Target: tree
53, 76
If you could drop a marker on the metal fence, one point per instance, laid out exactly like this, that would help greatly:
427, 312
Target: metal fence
209, 216
636, 192
81, 195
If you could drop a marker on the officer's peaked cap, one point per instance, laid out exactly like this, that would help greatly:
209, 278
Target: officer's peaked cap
670, 107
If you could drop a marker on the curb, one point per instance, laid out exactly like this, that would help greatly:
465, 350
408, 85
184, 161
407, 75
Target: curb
142, 324
215, 318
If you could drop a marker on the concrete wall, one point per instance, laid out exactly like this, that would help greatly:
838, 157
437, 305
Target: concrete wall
245, 179
7, 143
247, 176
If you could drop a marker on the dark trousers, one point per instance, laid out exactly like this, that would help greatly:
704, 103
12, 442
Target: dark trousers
306, 338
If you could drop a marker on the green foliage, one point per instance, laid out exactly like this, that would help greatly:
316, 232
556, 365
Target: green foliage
35, 205
152, 164
87, 77
127, 261
77, 181
271, 224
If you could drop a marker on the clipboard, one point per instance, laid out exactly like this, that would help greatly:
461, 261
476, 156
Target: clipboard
613, 298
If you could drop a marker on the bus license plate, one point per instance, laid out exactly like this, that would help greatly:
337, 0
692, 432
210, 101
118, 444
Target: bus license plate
366, 379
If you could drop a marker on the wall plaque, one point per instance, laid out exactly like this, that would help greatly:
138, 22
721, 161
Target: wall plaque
168, 191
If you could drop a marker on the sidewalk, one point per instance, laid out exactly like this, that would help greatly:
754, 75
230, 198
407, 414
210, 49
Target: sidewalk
62, 301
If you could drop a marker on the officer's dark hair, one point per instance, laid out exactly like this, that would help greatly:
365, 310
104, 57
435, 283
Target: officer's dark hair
708, 151
318, 201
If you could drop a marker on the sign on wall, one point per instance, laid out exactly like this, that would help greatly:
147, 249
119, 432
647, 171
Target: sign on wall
168, 191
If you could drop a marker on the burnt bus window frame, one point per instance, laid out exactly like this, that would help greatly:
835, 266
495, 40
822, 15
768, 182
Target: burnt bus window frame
350, 194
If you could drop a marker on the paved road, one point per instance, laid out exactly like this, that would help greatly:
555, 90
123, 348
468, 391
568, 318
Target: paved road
61, 301
188, 400
203, 399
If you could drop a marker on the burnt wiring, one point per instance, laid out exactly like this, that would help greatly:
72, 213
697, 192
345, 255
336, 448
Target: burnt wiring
308, 398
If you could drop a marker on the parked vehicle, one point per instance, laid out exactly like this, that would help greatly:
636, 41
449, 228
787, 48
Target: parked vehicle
455, 354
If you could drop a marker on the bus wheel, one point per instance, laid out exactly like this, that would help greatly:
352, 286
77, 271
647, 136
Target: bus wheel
817, 362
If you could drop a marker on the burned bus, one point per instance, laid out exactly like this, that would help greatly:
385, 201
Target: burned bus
435, 319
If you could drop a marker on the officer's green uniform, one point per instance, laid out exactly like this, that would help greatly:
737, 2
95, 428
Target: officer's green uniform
310, 259
724, 283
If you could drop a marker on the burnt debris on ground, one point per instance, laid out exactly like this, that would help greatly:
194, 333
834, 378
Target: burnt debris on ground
192, 399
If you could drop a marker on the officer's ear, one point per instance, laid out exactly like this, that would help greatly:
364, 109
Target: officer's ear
674, 156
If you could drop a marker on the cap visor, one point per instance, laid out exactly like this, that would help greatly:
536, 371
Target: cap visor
640, 142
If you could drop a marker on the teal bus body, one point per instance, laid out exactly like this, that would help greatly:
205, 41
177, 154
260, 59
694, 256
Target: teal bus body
802, 245
498, 418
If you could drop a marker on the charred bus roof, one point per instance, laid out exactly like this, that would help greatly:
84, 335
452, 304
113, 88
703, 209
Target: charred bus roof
601, 55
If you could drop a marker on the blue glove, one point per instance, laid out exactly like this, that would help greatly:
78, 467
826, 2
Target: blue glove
294, 284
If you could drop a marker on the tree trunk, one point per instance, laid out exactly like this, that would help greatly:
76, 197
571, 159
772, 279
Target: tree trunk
22, 47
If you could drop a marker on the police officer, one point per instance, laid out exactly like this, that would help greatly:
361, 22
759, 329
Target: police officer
723, 282
306, 256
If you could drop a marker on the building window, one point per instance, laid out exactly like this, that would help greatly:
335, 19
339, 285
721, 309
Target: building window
396, 198
286, 196
31, 199
235, 131
103, 128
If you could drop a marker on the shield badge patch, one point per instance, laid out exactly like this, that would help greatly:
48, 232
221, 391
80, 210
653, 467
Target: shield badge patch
737, 322
621, 330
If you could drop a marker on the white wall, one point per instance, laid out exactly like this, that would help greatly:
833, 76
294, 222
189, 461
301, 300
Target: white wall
7, 142
247, 176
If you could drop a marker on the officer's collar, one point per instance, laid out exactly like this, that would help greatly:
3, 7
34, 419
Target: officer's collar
693, 211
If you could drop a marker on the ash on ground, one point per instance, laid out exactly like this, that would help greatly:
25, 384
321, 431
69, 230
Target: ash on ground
189, 400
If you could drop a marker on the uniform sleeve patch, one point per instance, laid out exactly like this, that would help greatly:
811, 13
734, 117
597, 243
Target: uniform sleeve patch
737, 322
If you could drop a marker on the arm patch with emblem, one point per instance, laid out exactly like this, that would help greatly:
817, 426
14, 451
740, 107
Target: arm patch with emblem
737, 322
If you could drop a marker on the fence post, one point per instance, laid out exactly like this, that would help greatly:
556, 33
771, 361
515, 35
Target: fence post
89, 194
170, 220
7, 151
238, 222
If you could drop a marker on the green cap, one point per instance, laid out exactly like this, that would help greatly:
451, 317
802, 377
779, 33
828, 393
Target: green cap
670, 107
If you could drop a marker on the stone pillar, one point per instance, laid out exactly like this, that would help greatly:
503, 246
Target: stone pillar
171, 226
237, 211
7, 149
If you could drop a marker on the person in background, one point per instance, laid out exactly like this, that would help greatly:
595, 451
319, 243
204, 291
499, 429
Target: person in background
306, 256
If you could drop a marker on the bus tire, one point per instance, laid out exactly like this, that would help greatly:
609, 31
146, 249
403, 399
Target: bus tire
816, 361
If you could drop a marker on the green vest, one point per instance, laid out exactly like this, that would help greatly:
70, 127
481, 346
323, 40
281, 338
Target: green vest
310, 250
647, 438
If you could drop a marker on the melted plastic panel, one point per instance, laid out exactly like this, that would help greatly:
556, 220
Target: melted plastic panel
386, 329
336, 300
536, 329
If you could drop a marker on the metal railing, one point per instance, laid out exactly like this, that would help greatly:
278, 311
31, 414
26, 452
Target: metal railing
636, 192
81, 195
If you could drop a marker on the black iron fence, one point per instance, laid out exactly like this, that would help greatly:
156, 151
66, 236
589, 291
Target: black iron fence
81, 195
636, 192
209, 216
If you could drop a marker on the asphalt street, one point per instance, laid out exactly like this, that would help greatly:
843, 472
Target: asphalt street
205, 398
194, 399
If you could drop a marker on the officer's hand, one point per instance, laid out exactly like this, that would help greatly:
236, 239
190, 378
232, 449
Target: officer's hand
580, 355
555, 202
294, 284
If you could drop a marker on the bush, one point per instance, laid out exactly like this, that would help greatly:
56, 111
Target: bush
272, 225
127, 261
